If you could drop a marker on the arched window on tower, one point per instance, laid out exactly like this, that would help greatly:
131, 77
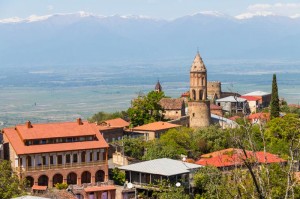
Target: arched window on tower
201, 95
202, 81
193, 95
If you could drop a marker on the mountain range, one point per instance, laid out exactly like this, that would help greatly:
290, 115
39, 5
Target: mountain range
83, 38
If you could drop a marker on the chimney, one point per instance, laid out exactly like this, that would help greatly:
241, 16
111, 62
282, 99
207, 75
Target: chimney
79, 121
28, 124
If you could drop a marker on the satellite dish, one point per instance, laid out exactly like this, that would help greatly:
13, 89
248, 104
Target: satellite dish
129, 185
178, 184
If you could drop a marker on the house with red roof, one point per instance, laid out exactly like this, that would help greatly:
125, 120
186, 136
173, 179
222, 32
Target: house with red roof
230, 158
252, 103
112, 130
68, 152
259, 118
152, 130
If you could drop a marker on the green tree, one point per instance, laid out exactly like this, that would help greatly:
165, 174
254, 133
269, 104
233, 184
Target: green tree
281, 132
118, 176
274, 99
10, 185
146, 109
133, 147
102, 116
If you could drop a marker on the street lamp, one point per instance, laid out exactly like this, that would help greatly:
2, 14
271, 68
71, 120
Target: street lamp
130, 186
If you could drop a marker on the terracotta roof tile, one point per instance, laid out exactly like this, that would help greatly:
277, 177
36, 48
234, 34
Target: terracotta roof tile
100, 188
263, 116
118, 122
39, 188
171, 103
155, 126
215, 107
232, 157
17, 142
250, 98
55, 130
234, 118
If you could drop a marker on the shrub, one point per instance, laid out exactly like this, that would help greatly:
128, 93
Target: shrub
61, 186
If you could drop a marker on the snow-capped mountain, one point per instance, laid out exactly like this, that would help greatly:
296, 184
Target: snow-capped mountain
85, 38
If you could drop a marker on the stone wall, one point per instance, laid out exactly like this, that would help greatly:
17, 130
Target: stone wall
199, 113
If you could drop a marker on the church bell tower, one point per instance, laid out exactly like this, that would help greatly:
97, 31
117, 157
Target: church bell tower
198, 104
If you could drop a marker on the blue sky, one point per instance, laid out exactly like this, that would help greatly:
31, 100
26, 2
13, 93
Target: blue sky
167, 9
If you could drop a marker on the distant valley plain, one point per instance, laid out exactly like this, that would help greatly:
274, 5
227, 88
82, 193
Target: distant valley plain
64, 93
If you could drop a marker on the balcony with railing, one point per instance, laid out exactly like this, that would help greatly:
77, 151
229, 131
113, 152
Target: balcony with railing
41, 167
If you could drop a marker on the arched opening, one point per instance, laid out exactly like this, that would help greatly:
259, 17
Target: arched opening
57, 178
86, 177
43, 180
29, 181
201, 95
83, 154
72, 178
202, 81
193, 95
28, 161
100, 176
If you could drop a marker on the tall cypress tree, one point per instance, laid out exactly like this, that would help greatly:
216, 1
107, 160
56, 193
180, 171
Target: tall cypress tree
274, 99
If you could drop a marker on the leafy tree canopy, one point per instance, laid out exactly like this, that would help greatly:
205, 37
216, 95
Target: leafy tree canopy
102, 116
10, 185
146, 109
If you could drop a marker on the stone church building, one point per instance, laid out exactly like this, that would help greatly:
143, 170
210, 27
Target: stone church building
197, 100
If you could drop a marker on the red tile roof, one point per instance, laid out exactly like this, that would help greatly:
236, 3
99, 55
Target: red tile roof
16, 137
232, 157
39, 188
100, 188
118, 122
155, 126
54, 130
262, 116
215, 107
250, 98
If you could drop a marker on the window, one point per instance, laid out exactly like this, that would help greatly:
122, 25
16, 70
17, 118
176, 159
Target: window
68, 158
91, 156
44, 160
35, 141
51, 159
43, 141
59, 159
69, 139
98, 155
193, 114
75, 157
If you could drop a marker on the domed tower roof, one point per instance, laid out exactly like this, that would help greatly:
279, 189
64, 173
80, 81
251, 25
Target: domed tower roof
158, 87
198, 65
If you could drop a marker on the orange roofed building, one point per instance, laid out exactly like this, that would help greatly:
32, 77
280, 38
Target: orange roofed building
152, 130
230, 158
45, 154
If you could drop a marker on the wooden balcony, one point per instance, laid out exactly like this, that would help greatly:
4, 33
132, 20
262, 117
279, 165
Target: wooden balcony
60, 166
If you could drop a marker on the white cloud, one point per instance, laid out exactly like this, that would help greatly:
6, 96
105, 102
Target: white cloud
282, 9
